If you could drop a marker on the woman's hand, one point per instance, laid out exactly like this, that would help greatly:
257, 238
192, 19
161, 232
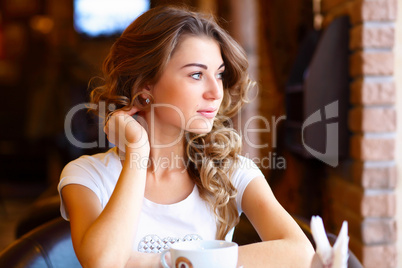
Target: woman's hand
127, 133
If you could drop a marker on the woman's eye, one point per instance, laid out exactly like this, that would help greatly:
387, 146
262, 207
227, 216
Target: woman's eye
196, 76
220, 75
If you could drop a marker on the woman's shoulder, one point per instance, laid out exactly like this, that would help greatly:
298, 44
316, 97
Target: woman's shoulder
244, 163
245, 169
105, 160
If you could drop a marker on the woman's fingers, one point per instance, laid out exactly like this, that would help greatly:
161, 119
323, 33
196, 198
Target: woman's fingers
133, 111
123, 130
120, 112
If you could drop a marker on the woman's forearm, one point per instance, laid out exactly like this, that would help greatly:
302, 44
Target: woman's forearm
276, 253
108, 241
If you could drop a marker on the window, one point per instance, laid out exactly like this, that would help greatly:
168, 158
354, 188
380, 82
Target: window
96, 18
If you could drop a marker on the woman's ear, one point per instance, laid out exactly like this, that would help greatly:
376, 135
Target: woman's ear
146, 92
144, 96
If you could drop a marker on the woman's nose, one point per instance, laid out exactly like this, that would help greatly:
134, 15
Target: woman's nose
214, 89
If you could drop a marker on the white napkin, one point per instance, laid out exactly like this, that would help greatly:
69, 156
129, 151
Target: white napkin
331, 257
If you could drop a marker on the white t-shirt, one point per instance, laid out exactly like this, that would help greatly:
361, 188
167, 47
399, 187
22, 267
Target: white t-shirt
159, 225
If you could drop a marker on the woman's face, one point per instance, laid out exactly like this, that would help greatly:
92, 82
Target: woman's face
189, 93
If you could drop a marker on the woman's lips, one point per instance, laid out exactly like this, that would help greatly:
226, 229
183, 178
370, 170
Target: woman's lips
208, 113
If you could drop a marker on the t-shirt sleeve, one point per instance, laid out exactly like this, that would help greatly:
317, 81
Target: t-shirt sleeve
246, 171
77, 172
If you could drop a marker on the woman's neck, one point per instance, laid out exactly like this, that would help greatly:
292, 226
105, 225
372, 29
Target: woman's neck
168, 159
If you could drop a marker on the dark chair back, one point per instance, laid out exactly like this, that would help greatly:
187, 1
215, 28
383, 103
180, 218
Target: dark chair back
48, 245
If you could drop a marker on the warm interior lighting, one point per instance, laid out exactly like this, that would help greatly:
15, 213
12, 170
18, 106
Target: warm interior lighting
42, 24
318, 18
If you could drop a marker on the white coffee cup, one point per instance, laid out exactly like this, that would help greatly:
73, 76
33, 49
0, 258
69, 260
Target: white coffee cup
202, 254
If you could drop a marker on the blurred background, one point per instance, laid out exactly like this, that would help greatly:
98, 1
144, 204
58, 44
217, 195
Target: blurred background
304, 56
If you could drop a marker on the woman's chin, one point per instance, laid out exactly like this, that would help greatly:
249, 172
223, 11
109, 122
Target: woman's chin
203, 128
201, 131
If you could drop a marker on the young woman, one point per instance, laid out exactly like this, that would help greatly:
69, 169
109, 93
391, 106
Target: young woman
172, 81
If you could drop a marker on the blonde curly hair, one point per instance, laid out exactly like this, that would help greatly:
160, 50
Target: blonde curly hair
138, 58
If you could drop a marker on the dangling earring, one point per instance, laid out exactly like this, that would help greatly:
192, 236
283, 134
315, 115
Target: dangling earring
147, 101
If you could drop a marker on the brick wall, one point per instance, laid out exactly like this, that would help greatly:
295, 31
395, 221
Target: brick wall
362, 188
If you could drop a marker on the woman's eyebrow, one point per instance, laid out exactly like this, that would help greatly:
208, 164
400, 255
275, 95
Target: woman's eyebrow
195, 64
200, 65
